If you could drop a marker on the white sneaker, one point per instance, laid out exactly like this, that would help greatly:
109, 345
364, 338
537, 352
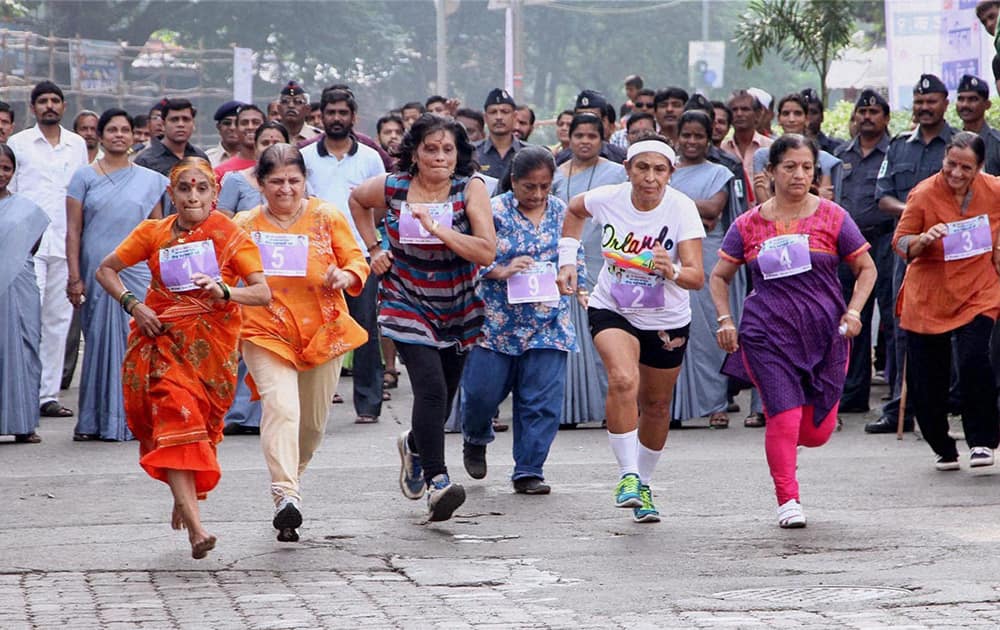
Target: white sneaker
790, 515
980, 456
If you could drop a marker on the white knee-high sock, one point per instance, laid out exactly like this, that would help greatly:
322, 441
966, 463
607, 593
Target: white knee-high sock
624, 446
646, 460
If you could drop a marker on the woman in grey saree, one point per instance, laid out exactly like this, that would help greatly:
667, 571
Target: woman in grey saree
586, 379
22, 224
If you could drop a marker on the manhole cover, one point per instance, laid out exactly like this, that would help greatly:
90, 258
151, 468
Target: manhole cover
815, 594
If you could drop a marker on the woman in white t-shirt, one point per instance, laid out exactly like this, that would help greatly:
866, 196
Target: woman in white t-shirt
639, 311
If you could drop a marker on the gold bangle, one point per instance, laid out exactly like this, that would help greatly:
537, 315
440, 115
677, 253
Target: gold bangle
582, 292
722, 318
853, 313
434, 226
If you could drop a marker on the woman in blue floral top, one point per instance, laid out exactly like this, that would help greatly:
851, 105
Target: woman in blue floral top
527, 331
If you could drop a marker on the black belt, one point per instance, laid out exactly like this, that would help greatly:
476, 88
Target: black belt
876, 231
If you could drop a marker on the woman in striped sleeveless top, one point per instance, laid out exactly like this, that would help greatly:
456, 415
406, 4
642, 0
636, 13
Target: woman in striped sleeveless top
440, 228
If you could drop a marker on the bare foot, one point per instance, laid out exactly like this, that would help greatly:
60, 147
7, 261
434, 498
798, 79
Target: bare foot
176, 520
201, 547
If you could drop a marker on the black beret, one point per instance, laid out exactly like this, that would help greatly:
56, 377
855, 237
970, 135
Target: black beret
292, 89
871, 98
969, 83
930, 84
698, 101
499, 96
229, 108
590, 99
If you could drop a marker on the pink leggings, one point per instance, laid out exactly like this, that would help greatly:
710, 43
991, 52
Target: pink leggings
786, 431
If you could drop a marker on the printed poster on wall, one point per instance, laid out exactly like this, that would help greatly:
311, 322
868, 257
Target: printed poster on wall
94, 65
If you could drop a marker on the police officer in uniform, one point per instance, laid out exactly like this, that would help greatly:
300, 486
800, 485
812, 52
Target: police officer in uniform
973, 101
862, 158
912, 157
495, 153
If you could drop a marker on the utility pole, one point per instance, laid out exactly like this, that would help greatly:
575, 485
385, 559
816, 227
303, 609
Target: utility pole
704, 20
517, 13
441, 13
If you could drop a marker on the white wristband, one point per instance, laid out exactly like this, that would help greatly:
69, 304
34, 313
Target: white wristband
568, 248
677, 271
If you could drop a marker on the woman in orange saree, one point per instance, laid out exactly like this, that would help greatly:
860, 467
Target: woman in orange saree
179, 373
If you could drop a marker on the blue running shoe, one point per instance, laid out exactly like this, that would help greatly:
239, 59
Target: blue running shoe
411, 473
627, 492
443, 498
646, 513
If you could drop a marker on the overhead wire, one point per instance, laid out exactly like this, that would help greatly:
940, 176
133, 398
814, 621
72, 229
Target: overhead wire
576, 7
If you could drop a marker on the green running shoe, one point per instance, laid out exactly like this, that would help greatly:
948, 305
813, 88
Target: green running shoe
646, 513
627, 492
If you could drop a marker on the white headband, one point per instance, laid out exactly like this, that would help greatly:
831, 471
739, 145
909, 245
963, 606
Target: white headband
645, 146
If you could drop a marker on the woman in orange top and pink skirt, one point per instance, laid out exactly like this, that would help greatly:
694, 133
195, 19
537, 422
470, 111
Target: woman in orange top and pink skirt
294, 345
792, 341
179, 372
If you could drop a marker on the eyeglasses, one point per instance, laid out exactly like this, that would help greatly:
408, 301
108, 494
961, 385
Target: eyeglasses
286, 100
227, 122
644, 105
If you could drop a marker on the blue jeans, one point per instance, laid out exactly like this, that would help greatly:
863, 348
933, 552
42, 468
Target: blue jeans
537, 379
367, 379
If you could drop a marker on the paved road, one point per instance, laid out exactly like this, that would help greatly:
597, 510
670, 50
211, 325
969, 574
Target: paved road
85, 541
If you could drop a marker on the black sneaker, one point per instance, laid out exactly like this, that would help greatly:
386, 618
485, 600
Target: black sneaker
531, 485
474, 458
945, 464
287, 518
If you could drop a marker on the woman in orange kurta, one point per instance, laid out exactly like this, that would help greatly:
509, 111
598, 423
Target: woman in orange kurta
948, 234
294, 346
179, 372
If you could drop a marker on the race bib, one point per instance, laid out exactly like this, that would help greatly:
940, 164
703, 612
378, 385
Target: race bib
179, 262
968, 238
283, 254
412, 232
536, 284
637, 291
784, 256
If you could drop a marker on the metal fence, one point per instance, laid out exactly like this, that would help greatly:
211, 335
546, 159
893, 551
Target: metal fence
97, 75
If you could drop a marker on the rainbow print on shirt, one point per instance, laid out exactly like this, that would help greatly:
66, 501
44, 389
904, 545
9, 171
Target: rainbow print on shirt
630, 252
641, 262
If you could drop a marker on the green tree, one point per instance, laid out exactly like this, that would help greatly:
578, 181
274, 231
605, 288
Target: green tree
809, 33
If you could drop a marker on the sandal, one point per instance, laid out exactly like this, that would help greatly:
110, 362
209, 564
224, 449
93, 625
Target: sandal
201, 548
755, 421
53, 409
337, 399
88, 437
386, 396
718, 420
27, 438
390, 379
366, 420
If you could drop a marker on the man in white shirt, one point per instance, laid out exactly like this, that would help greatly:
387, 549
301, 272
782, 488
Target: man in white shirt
47, 156
334, 166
